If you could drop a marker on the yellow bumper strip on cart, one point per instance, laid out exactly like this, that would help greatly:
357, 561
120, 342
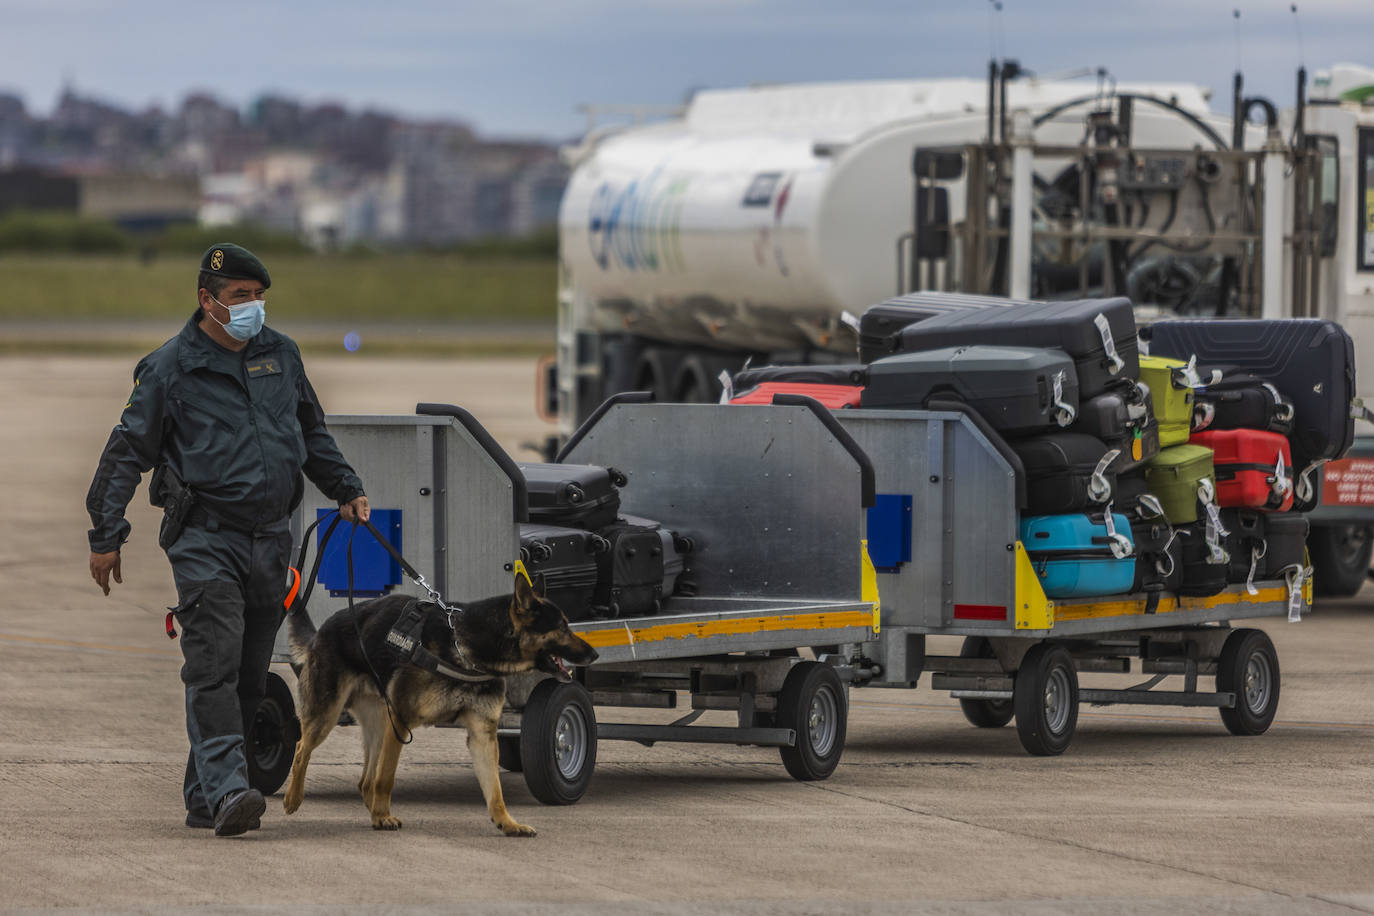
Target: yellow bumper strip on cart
868, 588
820, 620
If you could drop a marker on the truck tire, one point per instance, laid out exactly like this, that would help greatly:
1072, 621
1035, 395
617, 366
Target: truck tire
656, 370
1340, 558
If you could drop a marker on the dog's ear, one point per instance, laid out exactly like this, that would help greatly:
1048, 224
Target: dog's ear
525, 598
539, 586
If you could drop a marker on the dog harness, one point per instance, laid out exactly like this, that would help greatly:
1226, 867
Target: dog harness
404, 638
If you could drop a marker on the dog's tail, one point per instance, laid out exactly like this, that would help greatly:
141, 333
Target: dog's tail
300, 629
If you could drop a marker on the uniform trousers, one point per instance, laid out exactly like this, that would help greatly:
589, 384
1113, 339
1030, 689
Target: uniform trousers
230, 587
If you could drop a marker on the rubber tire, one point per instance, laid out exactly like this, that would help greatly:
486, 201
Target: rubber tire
1233, 675
808, 684
270, 737
1043, 664
539, 723
984, 713
508, 754
1340, 558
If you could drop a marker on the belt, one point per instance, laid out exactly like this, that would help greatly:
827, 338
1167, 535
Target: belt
201, 517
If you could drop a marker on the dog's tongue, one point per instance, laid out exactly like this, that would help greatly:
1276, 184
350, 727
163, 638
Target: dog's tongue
558, 662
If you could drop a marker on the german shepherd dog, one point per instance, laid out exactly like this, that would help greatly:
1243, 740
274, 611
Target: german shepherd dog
497, 636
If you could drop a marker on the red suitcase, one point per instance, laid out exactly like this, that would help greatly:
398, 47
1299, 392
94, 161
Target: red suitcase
832, 396
1254, 467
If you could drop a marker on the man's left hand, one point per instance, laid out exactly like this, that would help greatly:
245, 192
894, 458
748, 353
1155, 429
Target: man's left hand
356, 510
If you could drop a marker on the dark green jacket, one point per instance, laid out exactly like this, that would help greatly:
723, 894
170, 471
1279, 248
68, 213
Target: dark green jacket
238, 428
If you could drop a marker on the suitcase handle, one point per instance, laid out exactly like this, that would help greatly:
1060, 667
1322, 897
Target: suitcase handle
519, 490
867, 486
624, 397
1018, 470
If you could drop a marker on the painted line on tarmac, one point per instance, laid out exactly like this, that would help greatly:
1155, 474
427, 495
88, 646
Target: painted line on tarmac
72, 645
1097, 714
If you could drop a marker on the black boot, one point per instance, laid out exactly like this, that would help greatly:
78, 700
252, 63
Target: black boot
238, 812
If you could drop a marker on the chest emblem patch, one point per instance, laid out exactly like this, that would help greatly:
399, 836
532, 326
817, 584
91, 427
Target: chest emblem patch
264, 367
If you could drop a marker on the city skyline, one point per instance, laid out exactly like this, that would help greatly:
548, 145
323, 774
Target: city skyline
523, 68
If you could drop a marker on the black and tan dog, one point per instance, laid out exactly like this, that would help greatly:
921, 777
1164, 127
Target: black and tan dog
496, 636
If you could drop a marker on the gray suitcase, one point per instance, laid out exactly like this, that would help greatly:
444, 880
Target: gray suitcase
1019, 391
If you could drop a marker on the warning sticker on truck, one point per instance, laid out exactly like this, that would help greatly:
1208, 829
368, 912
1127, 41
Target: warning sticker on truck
1348, 482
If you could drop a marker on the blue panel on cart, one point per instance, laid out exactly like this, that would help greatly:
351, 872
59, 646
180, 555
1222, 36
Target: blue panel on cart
375, 572
889, 531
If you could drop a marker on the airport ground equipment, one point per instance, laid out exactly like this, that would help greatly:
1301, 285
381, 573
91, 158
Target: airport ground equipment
774, 502
749, 225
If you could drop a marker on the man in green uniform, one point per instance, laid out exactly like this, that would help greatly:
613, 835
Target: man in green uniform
226, 416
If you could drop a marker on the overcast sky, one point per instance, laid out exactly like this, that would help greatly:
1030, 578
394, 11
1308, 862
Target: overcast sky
521, 67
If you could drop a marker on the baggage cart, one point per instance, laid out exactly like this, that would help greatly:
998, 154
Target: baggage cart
764, 585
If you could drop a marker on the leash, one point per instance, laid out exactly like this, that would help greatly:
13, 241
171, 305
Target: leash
404, 635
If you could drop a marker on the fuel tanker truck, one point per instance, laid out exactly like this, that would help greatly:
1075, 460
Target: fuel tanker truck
757, 224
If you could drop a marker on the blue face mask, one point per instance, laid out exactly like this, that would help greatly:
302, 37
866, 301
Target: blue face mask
245, 320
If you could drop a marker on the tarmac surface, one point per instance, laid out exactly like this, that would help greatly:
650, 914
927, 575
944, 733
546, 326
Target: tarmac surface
1150, 811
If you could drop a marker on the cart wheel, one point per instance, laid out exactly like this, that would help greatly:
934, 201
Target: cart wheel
984, 713
813, 703
1249, 667
508, 754
1045, 698
271, 737
558, 742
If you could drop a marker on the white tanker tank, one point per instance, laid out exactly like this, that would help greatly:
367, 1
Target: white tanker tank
755, 220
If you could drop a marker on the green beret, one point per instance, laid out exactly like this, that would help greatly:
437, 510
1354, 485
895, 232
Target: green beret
235, 262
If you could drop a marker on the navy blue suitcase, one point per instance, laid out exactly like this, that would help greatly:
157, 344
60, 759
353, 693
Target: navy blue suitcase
1311, 361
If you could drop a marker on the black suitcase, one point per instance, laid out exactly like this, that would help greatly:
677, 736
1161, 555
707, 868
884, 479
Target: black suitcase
881, 324
1017, 390
1133, 499
1123, 417
1285, 543
1245, 542
573, 495
567, 558
1099, 334
640, 569
1158, 557
1239, 399
1066, 472
1203, 574
838, 374
1310, 360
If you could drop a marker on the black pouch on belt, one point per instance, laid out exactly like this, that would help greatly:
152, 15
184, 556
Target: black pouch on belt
165, 489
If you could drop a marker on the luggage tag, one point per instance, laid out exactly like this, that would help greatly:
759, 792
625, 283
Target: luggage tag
1191, 378
1151, 502
1065, 413
1121, 545
1295, 575
1285, 408
1159, 561
1104, 328
1279, 483
1099, 490
1303, 490
1204, 412
1256, 554
727, 387
1215, 529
